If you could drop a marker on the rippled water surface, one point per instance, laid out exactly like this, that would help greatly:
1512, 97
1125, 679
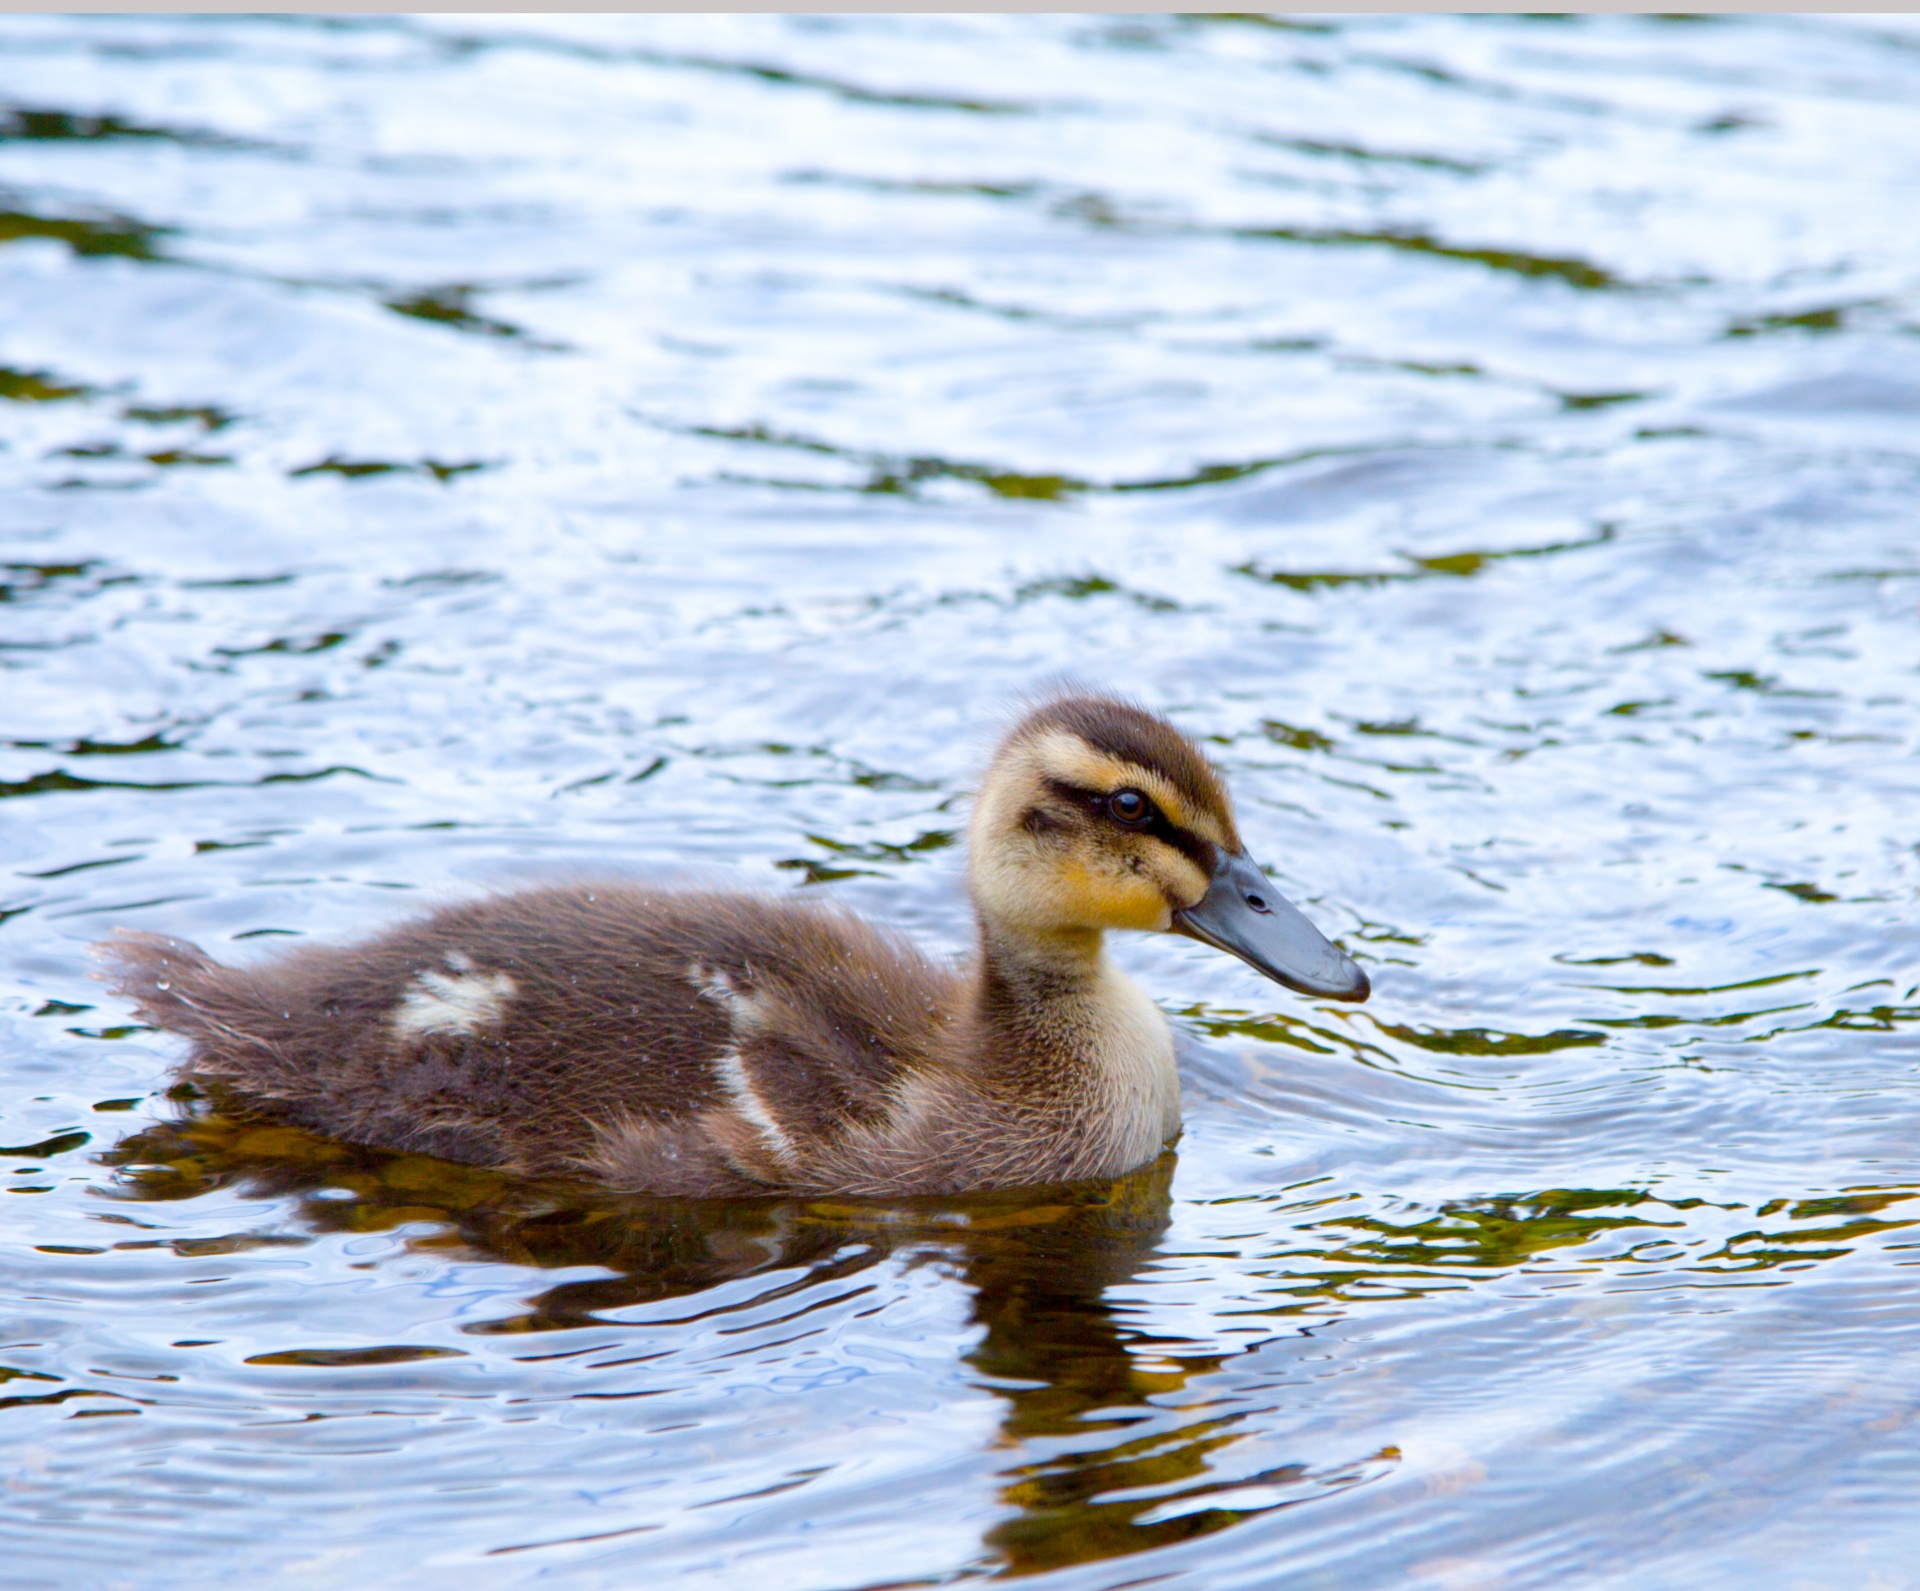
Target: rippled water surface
445, 453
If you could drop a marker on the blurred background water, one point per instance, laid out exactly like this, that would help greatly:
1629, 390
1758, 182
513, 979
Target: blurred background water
442, 453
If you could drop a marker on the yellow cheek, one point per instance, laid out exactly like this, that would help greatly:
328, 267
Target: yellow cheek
1187, 885
1102, 900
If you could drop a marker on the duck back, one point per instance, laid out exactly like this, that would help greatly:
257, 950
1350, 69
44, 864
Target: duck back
683, 1042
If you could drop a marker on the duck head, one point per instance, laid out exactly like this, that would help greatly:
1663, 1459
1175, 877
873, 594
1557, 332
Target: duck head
1096, 814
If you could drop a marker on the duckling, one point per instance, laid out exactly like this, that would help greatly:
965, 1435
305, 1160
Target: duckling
698, 1043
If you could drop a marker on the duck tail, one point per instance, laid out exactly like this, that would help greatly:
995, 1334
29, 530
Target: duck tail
168, 980
226, 1012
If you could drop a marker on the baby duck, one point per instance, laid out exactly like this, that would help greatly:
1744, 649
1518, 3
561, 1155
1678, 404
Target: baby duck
698, 1043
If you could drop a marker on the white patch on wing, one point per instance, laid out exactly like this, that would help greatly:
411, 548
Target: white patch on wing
745, 1017
744, 1008
732, 1068
461, 1004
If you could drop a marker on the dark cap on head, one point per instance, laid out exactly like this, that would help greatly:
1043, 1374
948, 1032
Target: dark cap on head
1132, 734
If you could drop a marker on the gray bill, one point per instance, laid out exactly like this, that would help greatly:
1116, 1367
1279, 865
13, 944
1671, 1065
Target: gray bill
1243, 915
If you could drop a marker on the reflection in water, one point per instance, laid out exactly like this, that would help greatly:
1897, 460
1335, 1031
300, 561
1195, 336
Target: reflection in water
1077, 1376
1040, 1266
1118, 1440
1117, 1443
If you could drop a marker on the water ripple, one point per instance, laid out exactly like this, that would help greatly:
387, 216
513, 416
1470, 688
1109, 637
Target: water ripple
450, 452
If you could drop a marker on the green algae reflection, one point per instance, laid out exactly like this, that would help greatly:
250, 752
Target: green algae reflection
86, 236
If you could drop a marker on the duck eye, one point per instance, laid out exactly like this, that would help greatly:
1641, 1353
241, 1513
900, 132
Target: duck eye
1129, 806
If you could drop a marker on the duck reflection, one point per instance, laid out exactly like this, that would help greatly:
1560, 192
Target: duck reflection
1104, 1462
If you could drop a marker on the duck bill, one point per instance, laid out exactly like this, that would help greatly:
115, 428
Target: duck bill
1243, 915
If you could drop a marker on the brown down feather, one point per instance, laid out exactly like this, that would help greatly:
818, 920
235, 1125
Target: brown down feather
697, 1042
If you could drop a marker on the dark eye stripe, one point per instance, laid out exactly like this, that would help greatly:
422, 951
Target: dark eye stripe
1201, 853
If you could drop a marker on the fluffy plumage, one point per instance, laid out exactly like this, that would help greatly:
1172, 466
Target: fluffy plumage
690, 1042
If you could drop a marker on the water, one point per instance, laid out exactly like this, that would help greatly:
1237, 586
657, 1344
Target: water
453, 452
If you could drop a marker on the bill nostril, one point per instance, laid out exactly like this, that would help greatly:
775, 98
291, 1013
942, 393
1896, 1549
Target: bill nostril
1258, 904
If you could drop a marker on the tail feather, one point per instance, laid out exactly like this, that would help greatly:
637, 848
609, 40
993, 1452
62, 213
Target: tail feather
241, 1024
161, 975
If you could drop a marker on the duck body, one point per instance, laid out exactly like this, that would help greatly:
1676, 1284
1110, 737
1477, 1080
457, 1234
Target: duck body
713, 1044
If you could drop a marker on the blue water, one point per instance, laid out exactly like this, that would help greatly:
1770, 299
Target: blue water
444, 453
